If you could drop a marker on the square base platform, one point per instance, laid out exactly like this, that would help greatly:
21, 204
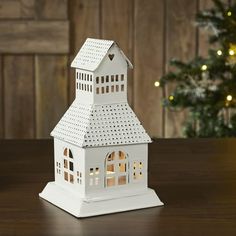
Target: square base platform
79, 207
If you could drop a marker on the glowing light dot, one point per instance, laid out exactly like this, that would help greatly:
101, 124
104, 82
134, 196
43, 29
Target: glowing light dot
229, 98
231, 52
204, 67
219, 52
171, 97
157, 84
229, 13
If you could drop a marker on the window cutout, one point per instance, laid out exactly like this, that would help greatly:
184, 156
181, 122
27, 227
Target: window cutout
122, 180
97, 171
97, 80
103, 90
111, 156
65, 151
91, 88
85, 87
71, 166
79, 76
117, 78
82, 86
122, 167
122, 87
82, 76
107, 78
110, 169
122, 78
91, 78
70, 154
87, 77
107, 89
97, 90
102, 79
117, 88
79, 86
88, 87
91, 171
111, 56
112, 88
112, 78
122, 155
71, 178
66, 176
65, 164
110, 181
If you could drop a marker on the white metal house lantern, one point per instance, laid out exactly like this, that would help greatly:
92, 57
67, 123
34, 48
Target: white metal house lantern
100, 147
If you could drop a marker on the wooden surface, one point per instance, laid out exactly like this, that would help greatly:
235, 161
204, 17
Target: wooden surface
196, 179
150, 32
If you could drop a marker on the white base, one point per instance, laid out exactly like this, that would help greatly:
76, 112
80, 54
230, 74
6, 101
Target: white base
79, 207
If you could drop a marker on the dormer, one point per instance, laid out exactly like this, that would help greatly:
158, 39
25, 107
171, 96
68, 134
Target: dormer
101, 72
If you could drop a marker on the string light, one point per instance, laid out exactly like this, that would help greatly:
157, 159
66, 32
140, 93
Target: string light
204, 67
219, 52
229, 13
231, 52
171, 97
157, 84
229, 98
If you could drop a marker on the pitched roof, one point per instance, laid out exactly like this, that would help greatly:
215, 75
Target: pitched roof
100, 125
93, 52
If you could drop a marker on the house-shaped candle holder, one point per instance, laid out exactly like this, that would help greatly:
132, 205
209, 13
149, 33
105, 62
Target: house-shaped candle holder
100, 146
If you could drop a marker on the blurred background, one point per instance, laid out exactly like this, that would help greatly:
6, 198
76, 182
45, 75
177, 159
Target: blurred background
39, 39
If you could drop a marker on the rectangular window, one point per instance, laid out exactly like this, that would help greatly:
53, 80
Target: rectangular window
71, 178
91, 88
82, 76
122, 167
96, 181
112, 78
71, 166
91, 171
107, 89
122, 78
66, 176
103, 90
102, 79
122, 87
112, 88
97, 90
65, 164
91, 78
110, 181
117, 88
117, 78
87, 87
82, 87
87, 77
97, 171
79, 86
107, 78
110, 169
97, 80
122, 180
79, 76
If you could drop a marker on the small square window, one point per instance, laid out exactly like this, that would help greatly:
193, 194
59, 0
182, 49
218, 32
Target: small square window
110, 169
112, 78
122, 180
122, 87
117, 78
71, 178
71, 166
65, 164
107, 89
91, 171
97, 90
110, 181
97, 80
117, 88
102, 79
122, 78
107, 78
66, 176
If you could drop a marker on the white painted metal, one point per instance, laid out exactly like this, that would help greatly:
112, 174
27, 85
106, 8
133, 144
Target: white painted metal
100, 146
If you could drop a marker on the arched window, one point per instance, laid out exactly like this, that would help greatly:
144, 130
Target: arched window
116, 169
68, 165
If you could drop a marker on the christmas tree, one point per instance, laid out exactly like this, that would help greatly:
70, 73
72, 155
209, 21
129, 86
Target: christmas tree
206, 87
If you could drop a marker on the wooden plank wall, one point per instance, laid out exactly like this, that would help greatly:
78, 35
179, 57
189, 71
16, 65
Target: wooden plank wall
39, 38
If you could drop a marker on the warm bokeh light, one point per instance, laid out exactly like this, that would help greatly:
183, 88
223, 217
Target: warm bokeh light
219, 52
229, 13
171, 97
231, 52
229, 98
157, 84
204, 67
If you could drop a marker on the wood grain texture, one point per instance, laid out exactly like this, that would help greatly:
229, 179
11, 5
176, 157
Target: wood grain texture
181, 44
51, 9
51, 92
84, 22
195, 178
19, 115
148, 62
1, 100
117, 25
34, 37
17, 9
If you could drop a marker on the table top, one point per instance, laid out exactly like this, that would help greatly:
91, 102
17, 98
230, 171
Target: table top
195, 178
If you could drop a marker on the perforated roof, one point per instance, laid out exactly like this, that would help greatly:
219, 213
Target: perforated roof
100, 125
92, 53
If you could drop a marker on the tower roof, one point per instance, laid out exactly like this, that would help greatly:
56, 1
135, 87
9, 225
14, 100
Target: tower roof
93, 52
100, 125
